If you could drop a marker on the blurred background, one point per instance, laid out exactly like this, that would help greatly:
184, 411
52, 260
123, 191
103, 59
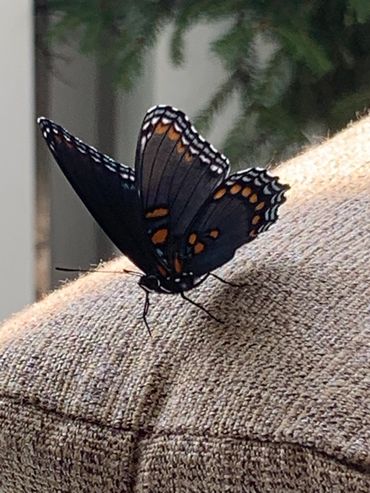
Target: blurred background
260, 79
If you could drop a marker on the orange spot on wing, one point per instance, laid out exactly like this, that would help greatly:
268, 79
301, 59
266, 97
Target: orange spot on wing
180, 147
253, 198
260, 206
214, 233
178, 265
188, 157
220, 193
246, 191
253, 233
235, 189
199, 247
172, 134
159, 212
256, 219
161, 128
162, 270
192, 239
160, 236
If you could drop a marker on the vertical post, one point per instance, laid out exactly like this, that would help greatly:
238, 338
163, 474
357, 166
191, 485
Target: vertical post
42, 102
17, 157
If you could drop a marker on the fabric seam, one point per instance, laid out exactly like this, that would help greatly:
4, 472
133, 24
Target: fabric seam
144, 433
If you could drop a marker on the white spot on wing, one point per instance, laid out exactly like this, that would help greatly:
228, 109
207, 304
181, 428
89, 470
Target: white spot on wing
275, 186
205, 159
143, 142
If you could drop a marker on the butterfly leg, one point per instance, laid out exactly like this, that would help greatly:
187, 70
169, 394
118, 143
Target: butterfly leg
201, 307
145, 312
233, 284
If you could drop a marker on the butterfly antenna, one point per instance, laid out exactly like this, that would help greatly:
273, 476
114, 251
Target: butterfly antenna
233, 284
201, 308
145, 312
123, 271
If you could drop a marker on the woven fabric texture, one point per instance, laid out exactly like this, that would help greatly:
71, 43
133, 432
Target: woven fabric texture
275, 400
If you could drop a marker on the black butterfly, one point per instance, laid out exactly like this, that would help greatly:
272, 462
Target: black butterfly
179, 215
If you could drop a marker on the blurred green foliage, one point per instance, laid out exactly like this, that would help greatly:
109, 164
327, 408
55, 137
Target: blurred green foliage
298, 67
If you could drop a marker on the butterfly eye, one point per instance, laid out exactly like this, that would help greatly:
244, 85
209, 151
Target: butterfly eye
149, 283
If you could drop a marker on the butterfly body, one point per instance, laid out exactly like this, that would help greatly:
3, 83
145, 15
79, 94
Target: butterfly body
180, 214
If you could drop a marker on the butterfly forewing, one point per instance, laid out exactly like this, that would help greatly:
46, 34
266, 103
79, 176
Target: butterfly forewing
108, 190
243, 206
177, 170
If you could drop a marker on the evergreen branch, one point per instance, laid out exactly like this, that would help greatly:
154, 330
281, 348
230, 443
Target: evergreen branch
346, 108
361, 10
234, 45
304, 49
177, 45
219, 99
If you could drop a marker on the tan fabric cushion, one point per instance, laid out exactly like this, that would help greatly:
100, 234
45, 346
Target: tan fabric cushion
276, 400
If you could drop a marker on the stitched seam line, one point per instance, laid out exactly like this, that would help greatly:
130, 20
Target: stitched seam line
150, 432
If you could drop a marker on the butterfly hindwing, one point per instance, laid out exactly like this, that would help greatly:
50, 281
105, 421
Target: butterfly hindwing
107, 189
239, 209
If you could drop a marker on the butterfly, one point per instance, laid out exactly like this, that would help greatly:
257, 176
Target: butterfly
179, 214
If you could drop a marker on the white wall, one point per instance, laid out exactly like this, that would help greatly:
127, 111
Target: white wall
17, 127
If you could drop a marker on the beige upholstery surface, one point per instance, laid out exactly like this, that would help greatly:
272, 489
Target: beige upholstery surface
276, 400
